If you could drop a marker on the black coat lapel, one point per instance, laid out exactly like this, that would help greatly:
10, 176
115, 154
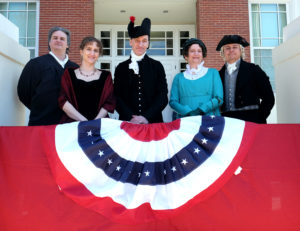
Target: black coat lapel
243, 75
222, 73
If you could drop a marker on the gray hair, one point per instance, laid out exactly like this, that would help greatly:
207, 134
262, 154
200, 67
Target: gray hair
242, 49
58, 28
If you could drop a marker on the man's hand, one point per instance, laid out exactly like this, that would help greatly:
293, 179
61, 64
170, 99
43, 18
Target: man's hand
138, 119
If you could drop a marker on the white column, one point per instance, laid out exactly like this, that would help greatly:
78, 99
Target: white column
286, 60
13, 57
294, 9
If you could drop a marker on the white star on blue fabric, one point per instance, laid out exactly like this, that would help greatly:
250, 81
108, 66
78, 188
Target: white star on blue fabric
101, 153
210, 129
173, 169
89, 133
118, 168
147, 173
197, 150
109, 161
204, 141
184, 162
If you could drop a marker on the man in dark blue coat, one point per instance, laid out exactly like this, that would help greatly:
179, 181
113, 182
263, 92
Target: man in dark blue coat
248, 93
40, 81
140, 84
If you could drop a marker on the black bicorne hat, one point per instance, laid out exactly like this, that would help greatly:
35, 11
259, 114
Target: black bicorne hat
192, 41
228, 39
143, 29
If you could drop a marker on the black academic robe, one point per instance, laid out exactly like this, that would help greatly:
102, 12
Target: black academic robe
252, 88
39, 87
145, 94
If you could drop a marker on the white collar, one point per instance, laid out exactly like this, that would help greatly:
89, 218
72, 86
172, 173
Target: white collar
137, 57
231, 67
134, 59
195, 73
61, 62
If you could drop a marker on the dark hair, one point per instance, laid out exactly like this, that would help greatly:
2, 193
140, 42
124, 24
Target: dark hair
188, 43
58, 28
91, 39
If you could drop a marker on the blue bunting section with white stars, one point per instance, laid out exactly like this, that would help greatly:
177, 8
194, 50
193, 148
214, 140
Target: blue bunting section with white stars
173, 168
158, 167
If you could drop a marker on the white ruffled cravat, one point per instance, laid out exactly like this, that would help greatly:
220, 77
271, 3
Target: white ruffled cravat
231, 67
134, 59
195, 73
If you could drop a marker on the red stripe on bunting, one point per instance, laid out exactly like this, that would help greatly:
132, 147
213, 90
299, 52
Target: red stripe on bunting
142, 132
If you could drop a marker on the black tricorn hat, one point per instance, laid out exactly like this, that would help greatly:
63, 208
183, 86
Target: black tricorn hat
143, 29
228, 39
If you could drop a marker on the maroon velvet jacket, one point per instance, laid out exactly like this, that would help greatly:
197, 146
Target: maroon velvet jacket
107, 99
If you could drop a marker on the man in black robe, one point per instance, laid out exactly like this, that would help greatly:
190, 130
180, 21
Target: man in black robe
140, 84
40, 81
248, 93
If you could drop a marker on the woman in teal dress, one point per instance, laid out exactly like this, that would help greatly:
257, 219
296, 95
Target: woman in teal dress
198, 90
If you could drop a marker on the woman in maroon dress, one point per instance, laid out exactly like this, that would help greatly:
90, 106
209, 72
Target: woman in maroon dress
86, 92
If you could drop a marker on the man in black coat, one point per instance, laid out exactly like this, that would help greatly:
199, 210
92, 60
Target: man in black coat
40, 81
140, 84
248, 93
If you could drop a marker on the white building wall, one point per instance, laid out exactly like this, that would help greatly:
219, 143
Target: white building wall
8, 28
294, 9
13, 57
286, 61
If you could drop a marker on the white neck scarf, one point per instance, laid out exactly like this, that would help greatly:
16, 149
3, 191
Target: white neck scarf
134, 59
195, 73
231, 67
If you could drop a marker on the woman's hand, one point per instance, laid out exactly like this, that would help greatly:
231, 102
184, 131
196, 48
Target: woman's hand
70, 110
102, 113
196, 112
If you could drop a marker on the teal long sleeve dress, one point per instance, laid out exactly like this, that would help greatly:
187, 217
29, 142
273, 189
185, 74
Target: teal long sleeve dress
202, 96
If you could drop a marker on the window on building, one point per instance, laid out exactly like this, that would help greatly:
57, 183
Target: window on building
183, 66
105, 39
105, 66
24, 16
268, 21
123, 47
184, 35
161, 43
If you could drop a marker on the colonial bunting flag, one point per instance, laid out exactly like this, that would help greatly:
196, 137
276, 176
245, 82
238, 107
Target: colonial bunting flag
196, 173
